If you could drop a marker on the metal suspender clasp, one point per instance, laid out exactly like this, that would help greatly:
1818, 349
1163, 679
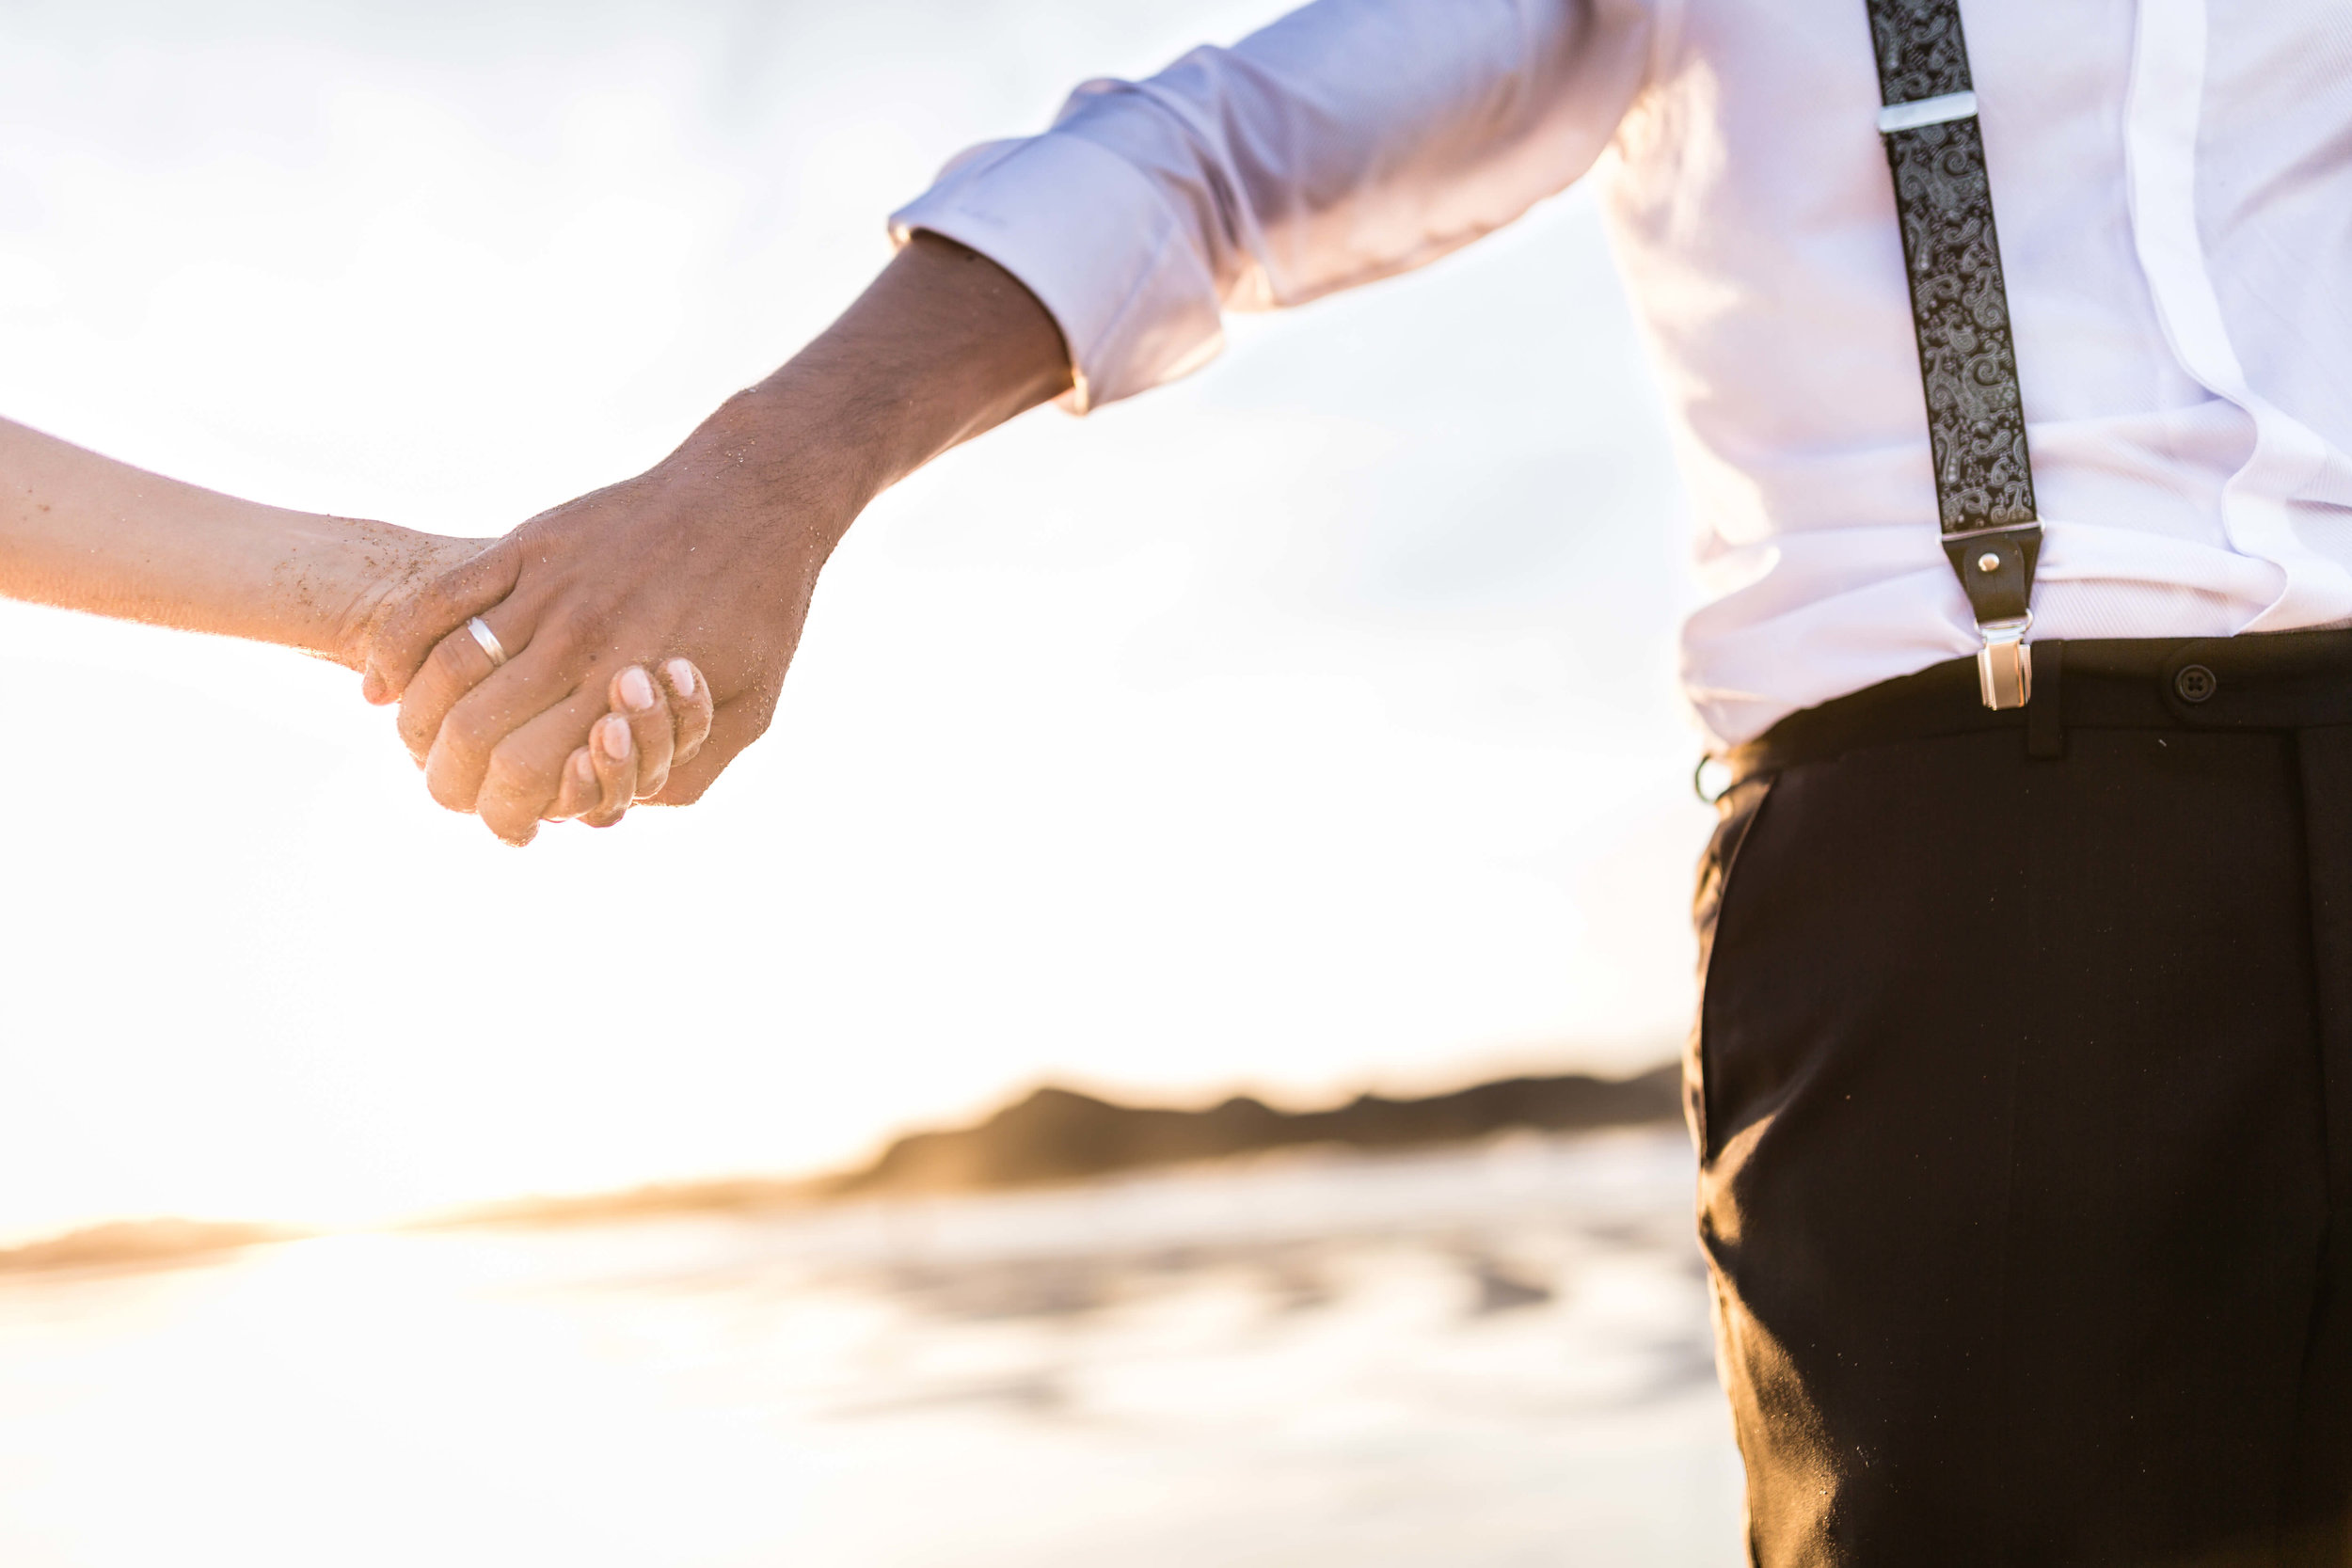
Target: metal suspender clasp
1995, 567
2005, 663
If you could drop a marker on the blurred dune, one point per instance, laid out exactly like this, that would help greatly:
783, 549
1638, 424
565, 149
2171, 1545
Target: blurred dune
1051, 1135
1058, 1136
138, 1243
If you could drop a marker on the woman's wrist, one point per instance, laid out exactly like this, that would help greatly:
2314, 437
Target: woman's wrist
345, 576
86, 533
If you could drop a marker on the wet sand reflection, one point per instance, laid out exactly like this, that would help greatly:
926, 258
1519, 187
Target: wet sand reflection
1482, 1355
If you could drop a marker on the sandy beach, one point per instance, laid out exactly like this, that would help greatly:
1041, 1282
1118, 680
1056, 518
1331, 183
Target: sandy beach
1486, 1356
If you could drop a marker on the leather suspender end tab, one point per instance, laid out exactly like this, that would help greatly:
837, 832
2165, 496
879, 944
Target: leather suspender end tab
1995, 569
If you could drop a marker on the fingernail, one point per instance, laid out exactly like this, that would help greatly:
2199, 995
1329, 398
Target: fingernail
612, 736
681, 674
584, 768
636, 689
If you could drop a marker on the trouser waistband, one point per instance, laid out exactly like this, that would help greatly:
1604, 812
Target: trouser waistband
2269, 681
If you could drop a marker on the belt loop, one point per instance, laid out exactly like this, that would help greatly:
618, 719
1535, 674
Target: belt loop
2045, 716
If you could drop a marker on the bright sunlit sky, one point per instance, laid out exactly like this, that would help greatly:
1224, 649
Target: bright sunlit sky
1304, 727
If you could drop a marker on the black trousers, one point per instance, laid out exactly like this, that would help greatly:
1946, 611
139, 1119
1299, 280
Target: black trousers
2023, 1089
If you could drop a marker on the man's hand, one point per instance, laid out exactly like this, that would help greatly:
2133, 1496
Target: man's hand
712, 554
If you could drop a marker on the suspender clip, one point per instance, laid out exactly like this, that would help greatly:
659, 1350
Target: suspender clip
1995, 567
2005, 663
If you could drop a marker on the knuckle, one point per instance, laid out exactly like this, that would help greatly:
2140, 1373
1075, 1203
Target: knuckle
448, 659
503, 562
583, 626
488, 575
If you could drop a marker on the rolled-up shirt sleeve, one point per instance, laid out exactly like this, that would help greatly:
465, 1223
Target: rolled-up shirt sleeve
1348, 141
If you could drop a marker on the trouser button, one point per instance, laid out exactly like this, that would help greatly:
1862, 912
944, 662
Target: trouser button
2195, 683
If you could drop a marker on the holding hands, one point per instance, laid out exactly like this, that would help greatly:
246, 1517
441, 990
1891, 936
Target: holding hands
626, 597
529, 667
621, 647
85, 532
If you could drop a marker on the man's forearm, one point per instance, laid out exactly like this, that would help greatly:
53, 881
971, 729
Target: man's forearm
943, 346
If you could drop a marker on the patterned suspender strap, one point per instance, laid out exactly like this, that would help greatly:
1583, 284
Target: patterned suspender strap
1959, 311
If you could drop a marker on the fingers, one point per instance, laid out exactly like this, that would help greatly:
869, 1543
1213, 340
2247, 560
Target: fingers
523, 692
612, 750
672, 723
579, 791
525, 775
644, 707
540, 769
456, 664
425, 617
690, 708
736, 725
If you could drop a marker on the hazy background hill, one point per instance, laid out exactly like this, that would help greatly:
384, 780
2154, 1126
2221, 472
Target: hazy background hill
1051, 1135
1055, 1136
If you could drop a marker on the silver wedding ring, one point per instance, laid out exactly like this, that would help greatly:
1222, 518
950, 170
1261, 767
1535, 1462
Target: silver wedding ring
489, 640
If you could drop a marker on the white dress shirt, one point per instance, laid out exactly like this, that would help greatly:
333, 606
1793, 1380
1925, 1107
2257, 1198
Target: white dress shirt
2173, 184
